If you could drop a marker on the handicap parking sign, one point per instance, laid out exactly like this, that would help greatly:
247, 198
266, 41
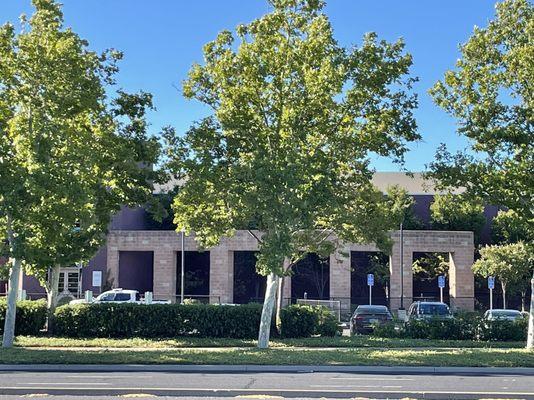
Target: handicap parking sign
491, 282
441, 281
370, 279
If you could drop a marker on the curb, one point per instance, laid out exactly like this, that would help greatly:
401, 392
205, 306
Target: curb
397, 370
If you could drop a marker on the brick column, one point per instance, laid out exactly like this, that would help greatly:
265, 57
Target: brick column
221, 275
461, 279
340, 274
395, 273
165, 274
112, 263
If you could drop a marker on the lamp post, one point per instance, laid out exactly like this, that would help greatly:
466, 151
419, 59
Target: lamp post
401, 267
182, 265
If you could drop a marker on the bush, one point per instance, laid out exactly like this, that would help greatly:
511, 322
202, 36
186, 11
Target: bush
465, 326
30, 319
299, 321
200, 320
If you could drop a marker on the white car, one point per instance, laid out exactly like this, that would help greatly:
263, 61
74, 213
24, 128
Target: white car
119, 296
501, 314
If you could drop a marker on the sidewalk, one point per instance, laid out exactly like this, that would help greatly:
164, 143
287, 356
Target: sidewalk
266, 369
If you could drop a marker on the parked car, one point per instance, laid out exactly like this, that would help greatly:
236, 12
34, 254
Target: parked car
365, 318
425, 310
500, 314
118, 295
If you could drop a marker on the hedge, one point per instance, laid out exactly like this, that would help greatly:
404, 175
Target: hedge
462, 327
171, 320
30, 319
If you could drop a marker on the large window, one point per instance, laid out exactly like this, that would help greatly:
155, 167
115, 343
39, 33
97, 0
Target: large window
69, 281
249, 286
311, 278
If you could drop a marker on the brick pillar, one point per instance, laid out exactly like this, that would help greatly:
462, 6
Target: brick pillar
165, 274
112, 263
221, 275
340, 274
461, 279
395, 274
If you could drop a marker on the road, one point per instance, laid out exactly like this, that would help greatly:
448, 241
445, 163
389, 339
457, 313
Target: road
292, 385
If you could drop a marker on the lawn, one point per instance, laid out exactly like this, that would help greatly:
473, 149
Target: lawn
474, 357
336, 342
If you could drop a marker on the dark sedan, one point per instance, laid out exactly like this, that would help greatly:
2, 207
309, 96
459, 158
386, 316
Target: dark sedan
366, 317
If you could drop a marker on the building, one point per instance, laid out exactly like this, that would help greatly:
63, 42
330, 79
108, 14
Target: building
142, 255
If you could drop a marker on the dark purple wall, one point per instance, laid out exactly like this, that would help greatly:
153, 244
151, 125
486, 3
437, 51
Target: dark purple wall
136, 270
130, 219
97, 263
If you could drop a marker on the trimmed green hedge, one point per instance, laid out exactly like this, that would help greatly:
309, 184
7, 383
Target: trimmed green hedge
171, 320
31, 317
462, 327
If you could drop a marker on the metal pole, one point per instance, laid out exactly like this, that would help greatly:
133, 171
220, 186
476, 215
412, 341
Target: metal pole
441, 294
491, 299
370, 294
182, 276
402, 267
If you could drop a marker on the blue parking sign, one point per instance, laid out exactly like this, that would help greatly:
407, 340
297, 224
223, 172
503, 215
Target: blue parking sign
441, 281
370, 279
491, 282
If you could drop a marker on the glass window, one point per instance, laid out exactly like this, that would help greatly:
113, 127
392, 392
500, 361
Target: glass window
72, 282
106, 297
122, 297
433, 309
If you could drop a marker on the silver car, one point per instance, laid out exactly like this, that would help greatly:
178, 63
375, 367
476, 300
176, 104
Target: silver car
500, 314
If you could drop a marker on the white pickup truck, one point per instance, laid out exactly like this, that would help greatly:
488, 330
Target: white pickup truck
119, 296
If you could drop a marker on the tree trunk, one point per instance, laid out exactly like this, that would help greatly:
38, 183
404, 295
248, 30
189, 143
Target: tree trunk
503, 295
279, 304
11, 311
523, 298
267, 311
530, 336
51, 294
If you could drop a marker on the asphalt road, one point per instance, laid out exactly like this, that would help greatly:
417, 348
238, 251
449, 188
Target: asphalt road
292, 385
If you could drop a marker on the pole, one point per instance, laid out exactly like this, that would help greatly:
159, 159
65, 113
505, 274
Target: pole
441, 294
401, 267
491, 299
182, 265
370, 294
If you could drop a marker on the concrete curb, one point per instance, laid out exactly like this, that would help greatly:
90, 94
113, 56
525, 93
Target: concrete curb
264, 369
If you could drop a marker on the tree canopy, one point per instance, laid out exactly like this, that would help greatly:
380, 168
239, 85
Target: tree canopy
295, 118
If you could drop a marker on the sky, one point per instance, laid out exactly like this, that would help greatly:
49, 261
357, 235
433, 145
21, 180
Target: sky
162, 38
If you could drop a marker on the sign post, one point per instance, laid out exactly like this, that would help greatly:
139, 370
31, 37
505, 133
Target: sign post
441, 284
370, 283
491, 286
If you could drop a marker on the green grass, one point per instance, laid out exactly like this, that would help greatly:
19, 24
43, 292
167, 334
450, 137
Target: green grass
337, 342
279, 356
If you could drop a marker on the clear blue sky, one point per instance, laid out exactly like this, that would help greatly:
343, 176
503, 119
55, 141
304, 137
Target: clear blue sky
161, 38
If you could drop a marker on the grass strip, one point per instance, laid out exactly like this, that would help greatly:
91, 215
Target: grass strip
278, 356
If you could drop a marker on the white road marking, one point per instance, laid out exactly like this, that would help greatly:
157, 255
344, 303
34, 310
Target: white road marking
373, 379
67, 383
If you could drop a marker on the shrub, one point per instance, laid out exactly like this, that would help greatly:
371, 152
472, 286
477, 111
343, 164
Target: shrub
30, 319
327, 323
465, 326
299, 320
200, 320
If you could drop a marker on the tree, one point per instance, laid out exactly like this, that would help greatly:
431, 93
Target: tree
68, 154
295, 118
490, 94
402, 208
430, 266
512, 264
455, 213
508, 227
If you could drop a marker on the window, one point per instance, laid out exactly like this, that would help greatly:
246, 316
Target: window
69, 281
122, 297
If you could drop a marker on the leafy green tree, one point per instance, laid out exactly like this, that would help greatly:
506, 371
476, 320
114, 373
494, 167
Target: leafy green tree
490, 94
295, 118
430, 266
512, 264
402, 208
454, 213
508, 227
68, 154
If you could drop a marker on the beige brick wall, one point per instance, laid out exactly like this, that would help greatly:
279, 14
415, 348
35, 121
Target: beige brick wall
165, 244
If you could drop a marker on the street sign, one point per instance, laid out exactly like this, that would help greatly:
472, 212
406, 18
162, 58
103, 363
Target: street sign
491, 282
370, 279
441, 281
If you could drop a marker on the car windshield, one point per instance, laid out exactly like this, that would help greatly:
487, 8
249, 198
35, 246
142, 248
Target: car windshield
433, 309
505, 313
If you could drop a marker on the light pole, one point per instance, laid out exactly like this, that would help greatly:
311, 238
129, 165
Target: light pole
182, 265
401, 267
